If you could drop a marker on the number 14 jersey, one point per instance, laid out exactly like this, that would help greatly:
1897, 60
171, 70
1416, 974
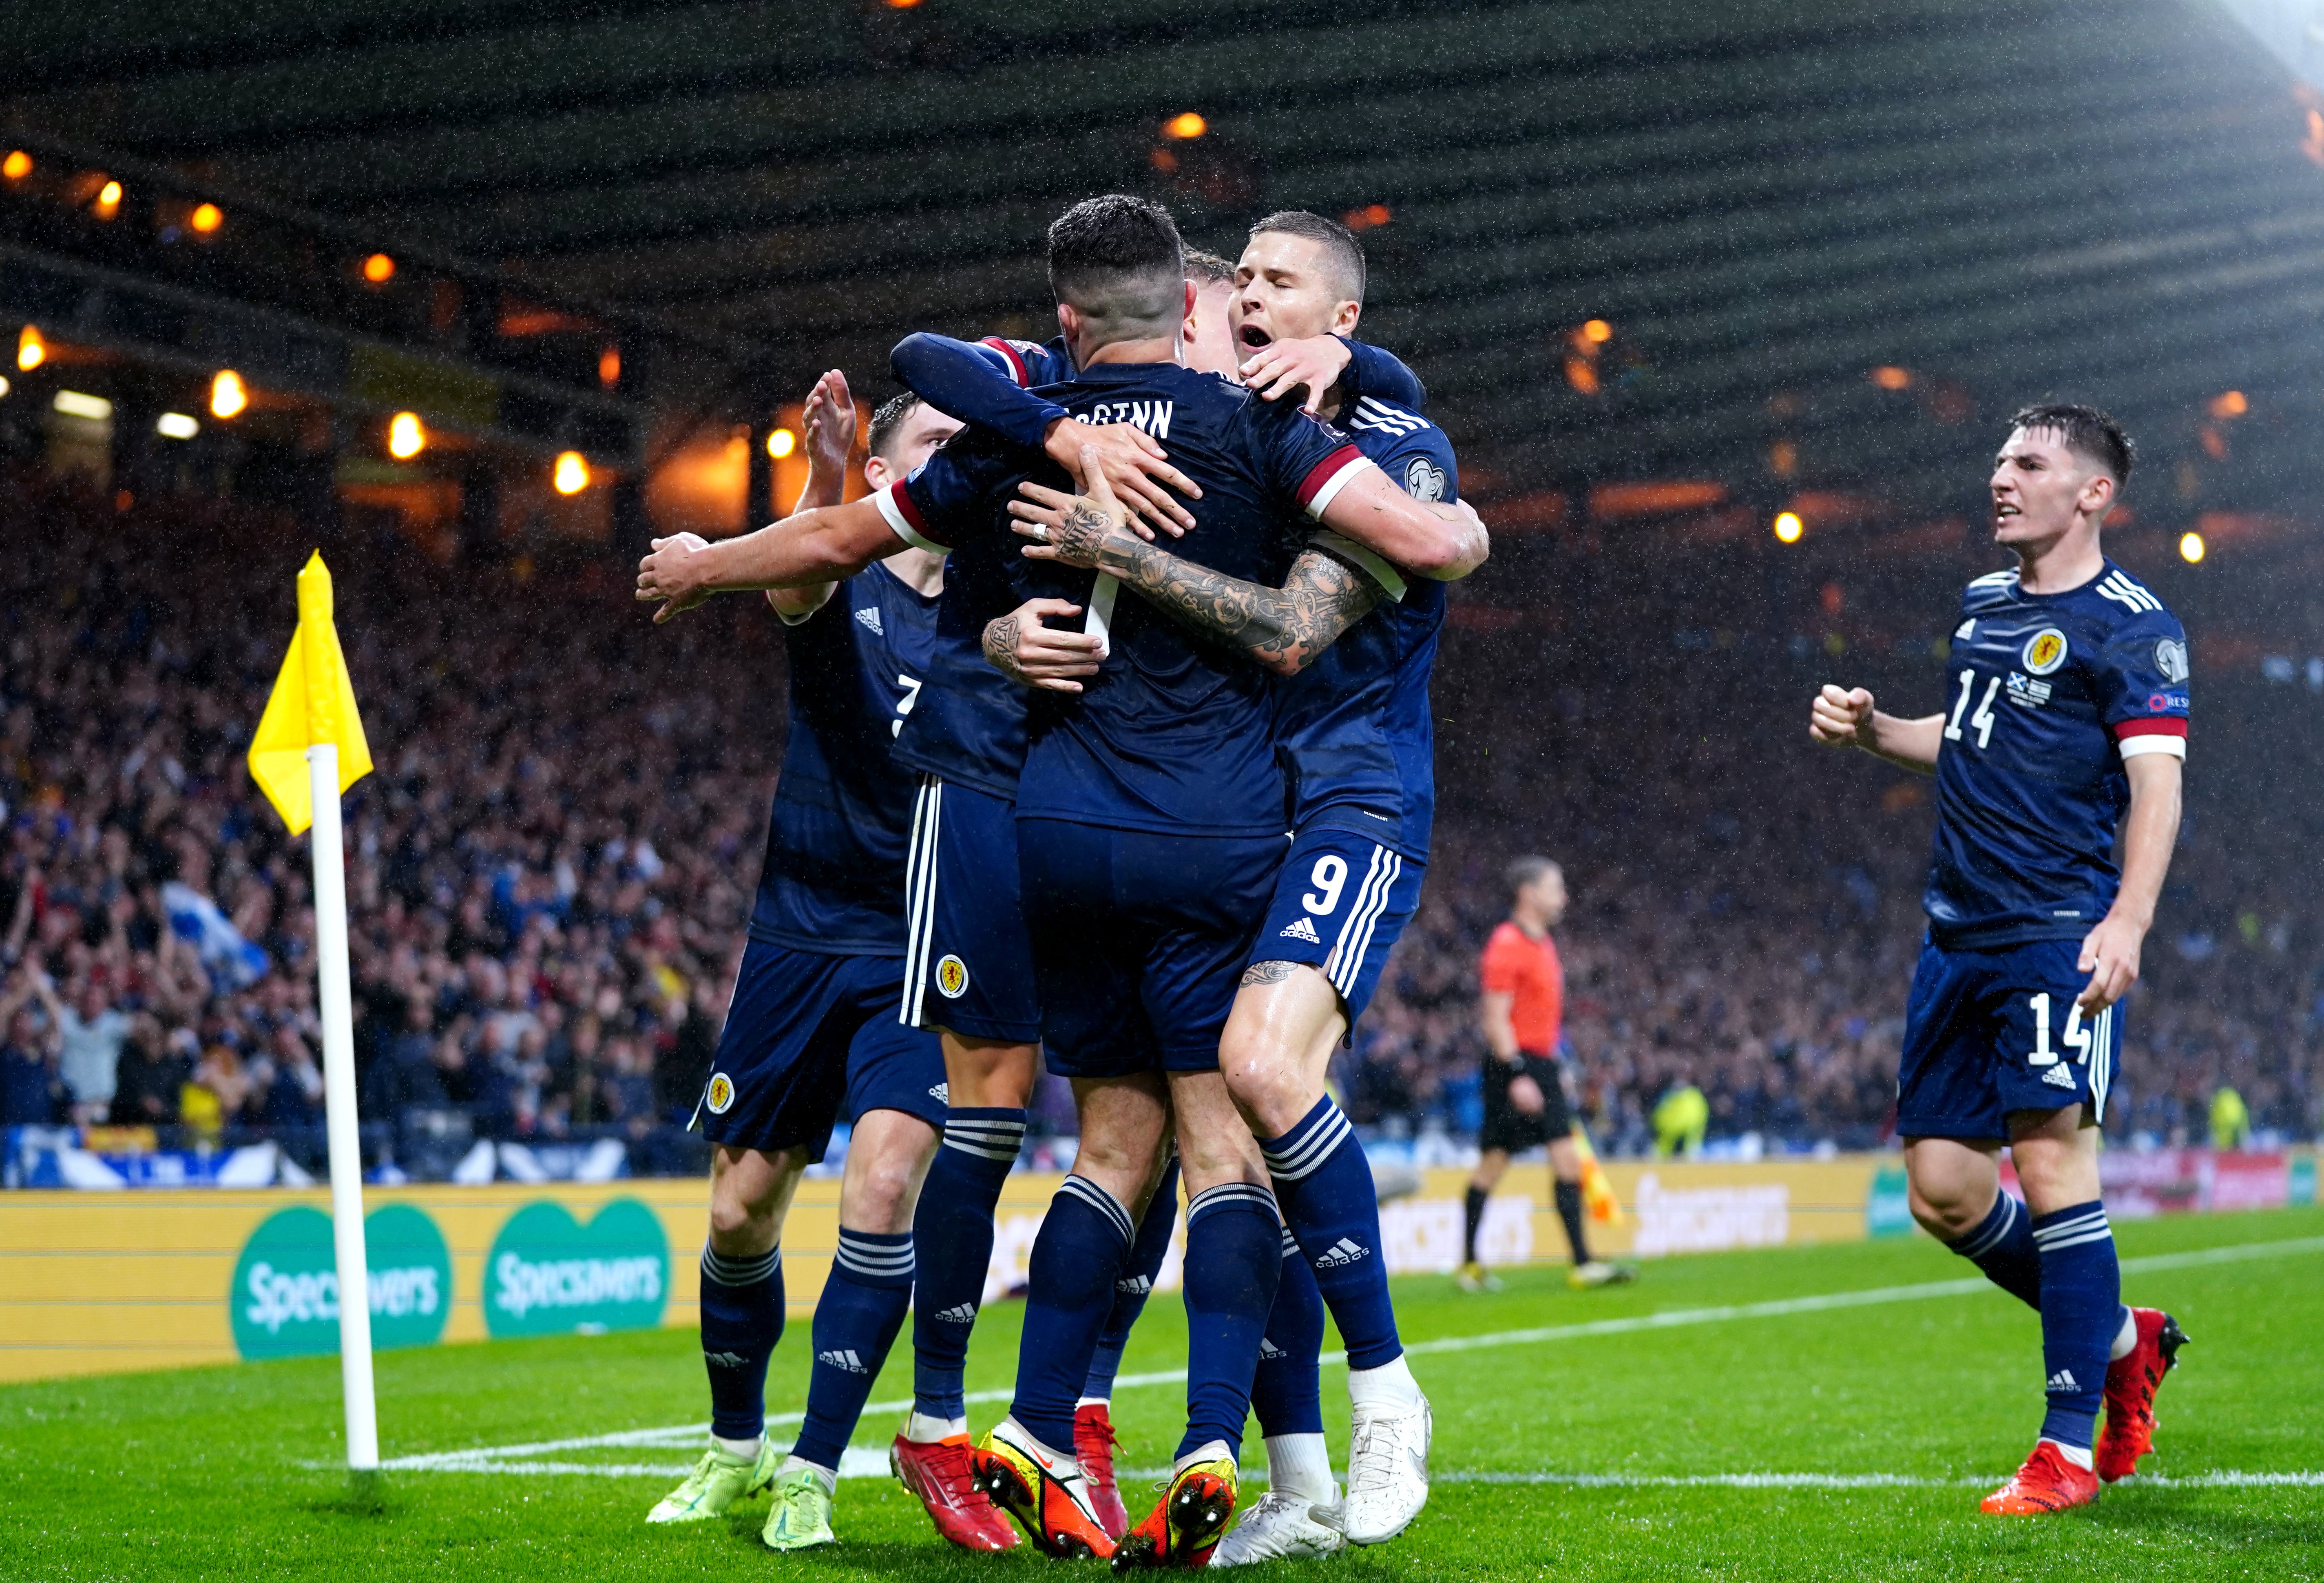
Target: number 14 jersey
2047, 696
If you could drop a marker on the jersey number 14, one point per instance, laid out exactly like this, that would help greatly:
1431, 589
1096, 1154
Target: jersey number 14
1981, 722
2076, 1037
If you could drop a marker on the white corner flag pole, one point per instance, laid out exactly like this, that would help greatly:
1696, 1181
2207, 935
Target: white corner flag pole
339, 1108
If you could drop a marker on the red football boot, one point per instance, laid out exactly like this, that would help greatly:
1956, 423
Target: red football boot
942, 1473
2047, 1483
2131, 1382
1093, 1443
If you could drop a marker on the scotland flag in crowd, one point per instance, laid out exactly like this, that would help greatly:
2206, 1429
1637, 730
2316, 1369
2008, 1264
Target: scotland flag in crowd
233, 961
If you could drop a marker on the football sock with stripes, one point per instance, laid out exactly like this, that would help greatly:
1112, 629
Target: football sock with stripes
1234, 1253
741, 1320
1133, 1285
1287, 1389
855, 1323
1324, 1185
951, 1234
1084, 1242
2002, 1247
1569, 1210
2081, 1309
1472, 1216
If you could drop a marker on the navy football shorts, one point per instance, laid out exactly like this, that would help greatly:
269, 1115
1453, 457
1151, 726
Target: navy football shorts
1987, 1032
1341, 903
809, 1037
1140, 941
968, 966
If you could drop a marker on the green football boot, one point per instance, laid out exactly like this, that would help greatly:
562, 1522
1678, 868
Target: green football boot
801, 1519
716, 1482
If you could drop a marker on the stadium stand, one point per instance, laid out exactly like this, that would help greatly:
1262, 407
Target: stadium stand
549, 870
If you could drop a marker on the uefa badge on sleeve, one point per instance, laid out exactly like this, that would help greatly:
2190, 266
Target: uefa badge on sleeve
952, 977
721, 1094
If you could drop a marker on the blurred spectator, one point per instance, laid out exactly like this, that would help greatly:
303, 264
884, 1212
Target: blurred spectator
151, 1079
92, 1032
31, 1093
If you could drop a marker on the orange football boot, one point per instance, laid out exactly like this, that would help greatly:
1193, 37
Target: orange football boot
2131, 1382
2047, 1483
942, 1473
1188, 1521
1044, 1490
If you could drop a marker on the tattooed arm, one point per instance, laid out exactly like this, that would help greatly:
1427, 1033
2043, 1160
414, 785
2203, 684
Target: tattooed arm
1022, 646
1284, 629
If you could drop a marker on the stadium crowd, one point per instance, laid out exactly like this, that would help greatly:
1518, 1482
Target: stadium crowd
549, 869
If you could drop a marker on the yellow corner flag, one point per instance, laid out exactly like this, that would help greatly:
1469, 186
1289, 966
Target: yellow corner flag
313, 702
1597, 1188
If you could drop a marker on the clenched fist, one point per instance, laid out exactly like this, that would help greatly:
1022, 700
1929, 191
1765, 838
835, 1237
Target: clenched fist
1839, 718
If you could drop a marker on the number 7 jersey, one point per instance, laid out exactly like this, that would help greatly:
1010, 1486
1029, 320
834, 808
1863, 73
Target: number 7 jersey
2047, 696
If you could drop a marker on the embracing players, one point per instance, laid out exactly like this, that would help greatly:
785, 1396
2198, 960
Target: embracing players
2067, 718
813, 1025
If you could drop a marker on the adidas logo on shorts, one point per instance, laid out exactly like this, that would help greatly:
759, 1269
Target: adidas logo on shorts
1302, 930
964, 1314
843, 1359
1346, 1251
2059, 1077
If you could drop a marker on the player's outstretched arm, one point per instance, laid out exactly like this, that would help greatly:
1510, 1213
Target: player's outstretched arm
2110, 952
829, 420
1841, 717
1284, 629
821, 545
1441, 543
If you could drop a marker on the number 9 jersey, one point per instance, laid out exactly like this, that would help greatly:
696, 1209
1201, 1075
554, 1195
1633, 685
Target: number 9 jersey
2048, 695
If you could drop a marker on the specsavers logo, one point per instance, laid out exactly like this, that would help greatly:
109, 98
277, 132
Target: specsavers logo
547, 1274
285, 1297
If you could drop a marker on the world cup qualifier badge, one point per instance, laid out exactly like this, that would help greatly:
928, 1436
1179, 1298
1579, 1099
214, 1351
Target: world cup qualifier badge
2045, 650
952, 977
721, 1096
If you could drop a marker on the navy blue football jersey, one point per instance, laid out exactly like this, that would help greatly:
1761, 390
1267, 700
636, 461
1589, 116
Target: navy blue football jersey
2048, 695
834, 879
1354, 727
1174, 733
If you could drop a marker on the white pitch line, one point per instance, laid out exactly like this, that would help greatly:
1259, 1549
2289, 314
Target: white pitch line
513, 1458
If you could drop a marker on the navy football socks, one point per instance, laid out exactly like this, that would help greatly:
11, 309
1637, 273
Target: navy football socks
1324, 1184
1234, 1253
2002, 1247
1135, 1283
855, 1323
741, 1320
2081, 1309
1569, 1210
952, 1231
1084, 1242
1287, 1390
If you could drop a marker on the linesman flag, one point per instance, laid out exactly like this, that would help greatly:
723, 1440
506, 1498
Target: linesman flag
313, 702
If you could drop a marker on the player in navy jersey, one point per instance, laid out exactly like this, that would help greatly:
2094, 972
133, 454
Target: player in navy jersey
1149, 816
1354, 732
2066, 722
812, 1030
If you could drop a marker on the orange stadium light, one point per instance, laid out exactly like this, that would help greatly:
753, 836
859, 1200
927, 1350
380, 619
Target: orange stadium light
571, 474
609, 367
31, 351
379, 269
1888, 376
1185, 127
782, 443
228, 395
1369, 217
17, 165
1788, 527
108, 200
1597, 332
2229, 404
406, 438
206, 218
2191, 548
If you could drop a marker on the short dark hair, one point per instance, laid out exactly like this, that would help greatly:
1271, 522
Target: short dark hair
1208, 269
886, 420
1118, 260
1339, 245
2088, 432
1524, 871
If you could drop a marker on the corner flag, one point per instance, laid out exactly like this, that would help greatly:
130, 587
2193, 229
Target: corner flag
313, 702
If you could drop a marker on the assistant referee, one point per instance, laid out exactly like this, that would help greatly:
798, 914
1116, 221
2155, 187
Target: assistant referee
1522, 1001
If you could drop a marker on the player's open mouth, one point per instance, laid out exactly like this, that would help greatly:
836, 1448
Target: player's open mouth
1255, 337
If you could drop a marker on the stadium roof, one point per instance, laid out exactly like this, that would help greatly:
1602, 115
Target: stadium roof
1829, 244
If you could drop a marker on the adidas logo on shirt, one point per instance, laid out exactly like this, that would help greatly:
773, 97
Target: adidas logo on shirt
1301, 929
1966, 630
966, 1314
2059, 1077
843, 1358
2063, 1380
1344, 1251
869, 619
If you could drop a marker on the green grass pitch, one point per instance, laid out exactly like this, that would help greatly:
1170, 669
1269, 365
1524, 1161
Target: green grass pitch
229, 1473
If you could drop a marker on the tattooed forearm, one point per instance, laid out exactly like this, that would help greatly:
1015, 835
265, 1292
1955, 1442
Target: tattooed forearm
1001, 649
1284, 629
1268, 972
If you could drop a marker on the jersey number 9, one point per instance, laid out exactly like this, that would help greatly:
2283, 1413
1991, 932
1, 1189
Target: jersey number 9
1329, 876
